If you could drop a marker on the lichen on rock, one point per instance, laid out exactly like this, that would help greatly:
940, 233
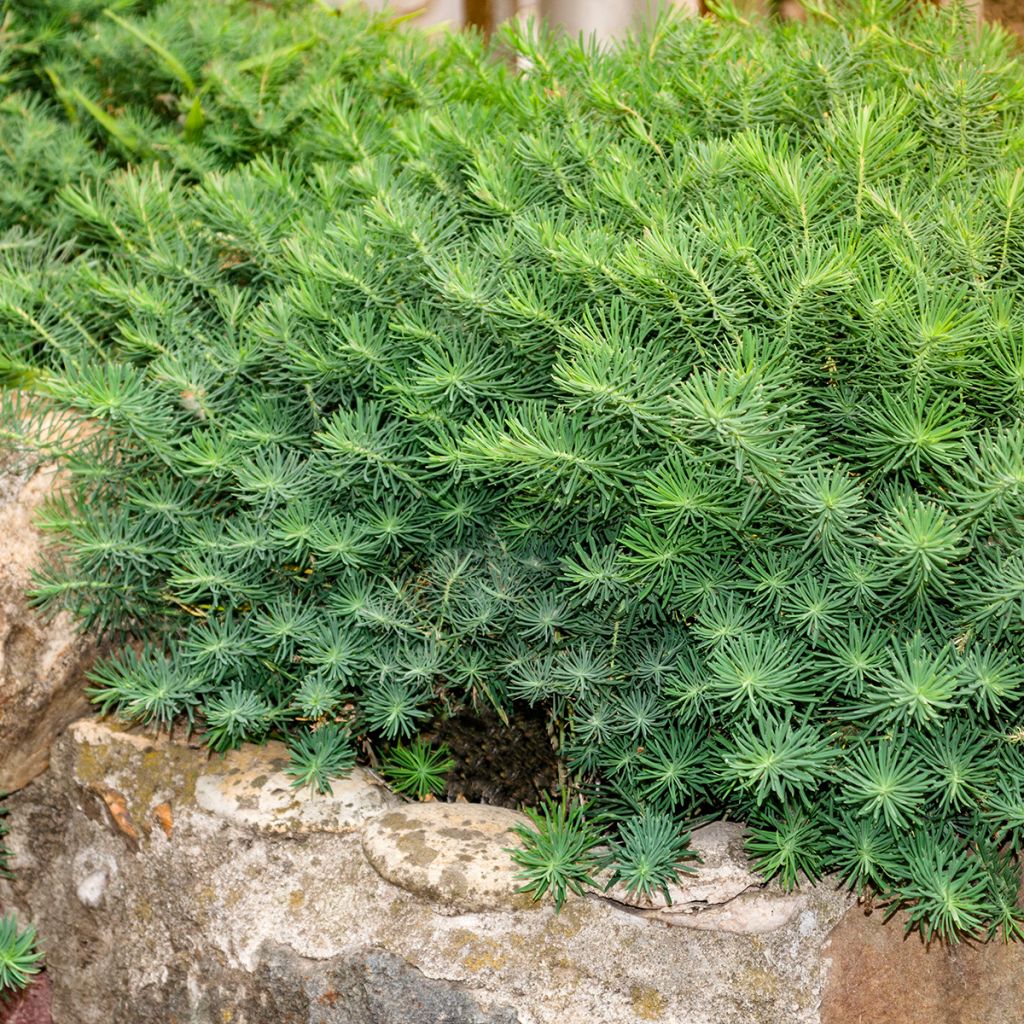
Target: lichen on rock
266, 906
249, 787
452, 854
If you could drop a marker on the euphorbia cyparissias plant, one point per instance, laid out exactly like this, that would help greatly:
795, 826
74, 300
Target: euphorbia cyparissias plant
674, 387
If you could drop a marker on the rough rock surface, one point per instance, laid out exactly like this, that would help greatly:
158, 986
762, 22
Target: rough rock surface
31, 1006
157, 905
250, 787
42, 663
879, 975
452, 854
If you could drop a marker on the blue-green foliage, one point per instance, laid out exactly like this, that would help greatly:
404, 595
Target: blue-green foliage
418, 769
557, 854
675, 388
19, 957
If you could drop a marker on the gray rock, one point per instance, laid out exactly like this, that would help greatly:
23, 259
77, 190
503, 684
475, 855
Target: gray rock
363, 987
239, 788
373, 987
155, 908
452, 854
42, 661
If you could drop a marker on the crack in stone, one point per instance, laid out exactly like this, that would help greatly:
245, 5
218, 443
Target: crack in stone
699, 906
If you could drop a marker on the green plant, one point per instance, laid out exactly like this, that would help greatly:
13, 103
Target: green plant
418, 769
648, 855
319, 755
557, 853
947, 893
19, 956
788, 846
676, 389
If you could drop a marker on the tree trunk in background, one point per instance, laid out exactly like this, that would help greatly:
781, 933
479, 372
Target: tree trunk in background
487, 14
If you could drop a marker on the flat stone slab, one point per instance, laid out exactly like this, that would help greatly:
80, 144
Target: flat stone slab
751, 913
452, 854
249, 787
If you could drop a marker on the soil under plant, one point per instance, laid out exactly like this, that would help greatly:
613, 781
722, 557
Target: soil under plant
509, 765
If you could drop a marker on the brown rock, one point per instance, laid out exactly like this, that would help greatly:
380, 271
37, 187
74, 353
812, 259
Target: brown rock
164, 818
117, 805
31, 1006
876, 974
42, 663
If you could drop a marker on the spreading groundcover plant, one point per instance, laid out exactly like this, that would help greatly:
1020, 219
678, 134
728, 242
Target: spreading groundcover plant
676, 389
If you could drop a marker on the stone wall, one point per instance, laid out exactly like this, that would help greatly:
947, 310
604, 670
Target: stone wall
170, 887
174, 887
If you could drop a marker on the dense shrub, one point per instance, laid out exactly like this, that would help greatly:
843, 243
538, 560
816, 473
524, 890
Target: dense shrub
675, 388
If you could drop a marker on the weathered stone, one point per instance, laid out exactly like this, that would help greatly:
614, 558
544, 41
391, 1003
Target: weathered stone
31, 1006
221, 920
878, 974
721, 893
370, 987
751, 913
126, 780
452, 854
42, 661
249, 787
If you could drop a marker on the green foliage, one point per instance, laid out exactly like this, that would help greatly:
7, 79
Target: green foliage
787, 845
418, 769
557, 854
676, 389
20, 958
648, 855
319, 755
946, 894
19, 955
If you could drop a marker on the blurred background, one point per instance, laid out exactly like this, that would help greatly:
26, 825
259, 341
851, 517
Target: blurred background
606, 18
610, 18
